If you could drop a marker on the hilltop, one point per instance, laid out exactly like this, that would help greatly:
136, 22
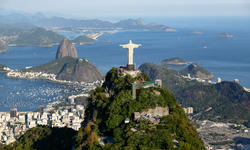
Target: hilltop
66, 48
83, 39
115, 120
66, 67
174, 61
225, 101
36, 37
70, 69
197, 72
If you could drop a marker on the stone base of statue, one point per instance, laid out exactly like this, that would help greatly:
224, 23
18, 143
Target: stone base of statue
131, 67
125, 71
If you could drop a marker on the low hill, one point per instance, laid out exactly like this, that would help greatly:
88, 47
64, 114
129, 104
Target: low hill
70, 69
225, 101
37, 37
44, 138
83, 39
111, 121
174, 61
197, 71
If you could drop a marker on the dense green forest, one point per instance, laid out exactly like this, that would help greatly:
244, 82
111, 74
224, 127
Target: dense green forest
44, 138
110, 105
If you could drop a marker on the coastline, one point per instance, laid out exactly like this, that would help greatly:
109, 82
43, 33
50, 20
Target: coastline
15, 74
3, 50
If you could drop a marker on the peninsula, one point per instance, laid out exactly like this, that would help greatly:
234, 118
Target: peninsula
67, 68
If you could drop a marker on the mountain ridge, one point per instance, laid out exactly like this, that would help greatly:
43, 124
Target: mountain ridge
228, 100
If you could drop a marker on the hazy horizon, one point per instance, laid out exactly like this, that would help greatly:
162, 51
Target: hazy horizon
129, 9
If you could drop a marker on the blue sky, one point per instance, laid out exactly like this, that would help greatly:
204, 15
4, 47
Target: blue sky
131, 8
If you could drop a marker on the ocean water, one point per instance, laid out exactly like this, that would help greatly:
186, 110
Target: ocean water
227, 58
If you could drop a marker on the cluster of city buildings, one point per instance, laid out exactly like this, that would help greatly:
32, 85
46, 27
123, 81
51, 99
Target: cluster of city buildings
46, 76
197, 79
57, 114
218, 135
31, 75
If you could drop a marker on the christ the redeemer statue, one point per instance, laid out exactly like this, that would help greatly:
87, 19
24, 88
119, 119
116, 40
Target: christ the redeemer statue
130, 46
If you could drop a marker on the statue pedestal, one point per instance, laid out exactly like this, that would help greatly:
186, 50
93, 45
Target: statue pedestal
131, 67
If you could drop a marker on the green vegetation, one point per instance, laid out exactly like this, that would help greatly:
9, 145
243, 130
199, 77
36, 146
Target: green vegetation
83, 39
37, 37
1, 68
174, 61
28, 37
42, 137
196, 71
109, 106
247, 123
55, 66
112, 103
71, 69
228, 100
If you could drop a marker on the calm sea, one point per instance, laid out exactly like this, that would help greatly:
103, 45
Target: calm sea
227, 58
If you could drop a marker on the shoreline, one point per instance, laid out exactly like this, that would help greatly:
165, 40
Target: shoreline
3, 50
48, 77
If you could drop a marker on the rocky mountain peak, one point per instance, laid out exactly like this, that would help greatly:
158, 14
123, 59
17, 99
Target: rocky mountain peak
66, 48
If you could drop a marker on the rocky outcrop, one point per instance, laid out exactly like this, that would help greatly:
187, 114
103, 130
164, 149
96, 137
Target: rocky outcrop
70, 69
66, 48
79, 70
197, 71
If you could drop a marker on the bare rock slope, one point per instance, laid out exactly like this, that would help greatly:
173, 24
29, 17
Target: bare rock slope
66, 48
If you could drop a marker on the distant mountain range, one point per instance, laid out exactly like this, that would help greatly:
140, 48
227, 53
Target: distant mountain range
38, 30
42, 21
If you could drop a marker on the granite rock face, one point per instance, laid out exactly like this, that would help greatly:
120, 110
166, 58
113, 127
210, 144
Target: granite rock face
78, 70
66, 48
70, 69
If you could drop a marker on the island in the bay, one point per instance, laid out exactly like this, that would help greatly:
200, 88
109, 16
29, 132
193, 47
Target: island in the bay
195, 32
66, 68
175, 61
227, 35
